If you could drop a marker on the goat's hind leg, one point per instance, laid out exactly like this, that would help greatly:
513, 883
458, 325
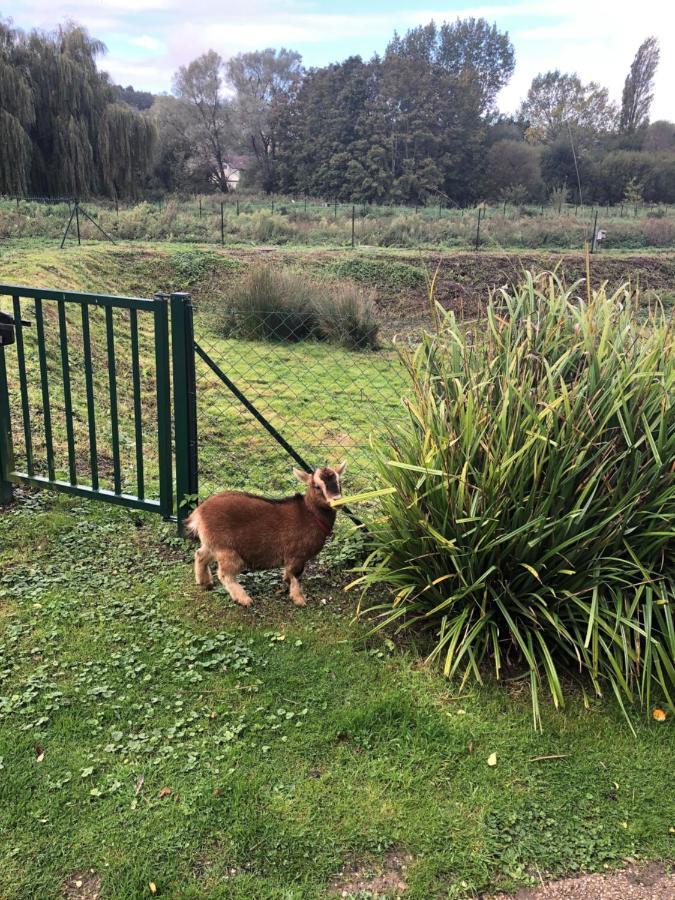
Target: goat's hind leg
203, 576
230, 564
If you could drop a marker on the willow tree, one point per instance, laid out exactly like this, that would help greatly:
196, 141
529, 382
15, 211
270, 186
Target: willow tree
68, 136
16, 116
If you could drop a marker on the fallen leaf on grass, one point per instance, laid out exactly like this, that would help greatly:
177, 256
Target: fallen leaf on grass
153, 887
139, 784
165, 792
658, 715
492, 759
39, 753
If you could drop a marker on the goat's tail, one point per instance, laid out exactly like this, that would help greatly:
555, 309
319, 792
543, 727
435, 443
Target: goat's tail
192, 523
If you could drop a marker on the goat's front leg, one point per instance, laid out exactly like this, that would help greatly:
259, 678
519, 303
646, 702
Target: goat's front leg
292, 574
230, 564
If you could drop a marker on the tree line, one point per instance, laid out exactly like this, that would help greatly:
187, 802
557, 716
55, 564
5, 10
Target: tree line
418, 124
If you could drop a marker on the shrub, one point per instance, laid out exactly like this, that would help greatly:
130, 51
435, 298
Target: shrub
533, 508
281, 305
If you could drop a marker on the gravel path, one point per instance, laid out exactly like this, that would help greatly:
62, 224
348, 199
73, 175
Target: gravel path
652, 882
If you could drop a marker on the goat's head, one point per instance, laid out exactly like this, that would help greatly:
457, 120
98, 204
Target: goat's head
323, 485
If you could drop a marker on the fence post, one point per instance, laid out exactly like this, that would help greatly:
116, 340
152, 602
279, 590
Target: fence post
222, 224
77, 220
595, 232
480, 210
353, 223
6, 455
184, 404
163, 377
237, 205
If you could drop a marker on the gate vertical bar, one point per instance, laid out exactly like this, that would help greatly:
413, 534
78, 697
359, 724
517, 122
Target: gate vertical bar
138, 411
163, 406
112, 385
44, 384
184, 404
23, 384
89, 383
67, 398
6, 454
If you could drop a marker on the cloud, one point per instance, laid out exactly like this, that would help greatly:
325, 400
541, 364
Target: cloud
145, 42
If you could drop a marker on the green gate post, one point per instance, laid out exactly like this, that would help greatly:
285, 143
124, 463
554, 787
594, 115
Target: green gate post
184, 404
163, 366
6, 452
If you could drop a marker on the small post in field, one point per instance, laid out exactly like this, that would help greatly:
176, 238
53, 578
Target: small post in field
595, 232
335, 211
222, 223
480, 210
237, 205
77, 220
305, 205
200, 206
353, 223
440, 208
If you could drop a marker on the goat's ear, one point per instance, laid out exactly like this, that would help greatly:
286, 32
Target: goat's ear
302, 476
341, 468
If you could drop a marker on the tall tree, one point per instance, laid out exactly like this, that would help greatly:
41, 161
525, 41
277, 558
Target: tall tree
556, 100
265, 81
464, 47
200, 87
637, 90
16, 115
61, 131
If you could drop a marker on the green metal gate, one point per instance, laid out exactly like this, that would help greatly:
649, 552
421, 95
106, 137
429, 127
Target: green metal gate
65, 357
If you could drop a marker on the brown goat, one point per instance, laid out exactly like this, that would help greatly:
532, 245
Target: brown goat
245, 532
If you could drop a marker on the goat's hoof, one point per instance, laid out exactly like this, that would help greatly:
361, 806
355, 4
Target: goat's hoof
300, 602
206, 585
245, 603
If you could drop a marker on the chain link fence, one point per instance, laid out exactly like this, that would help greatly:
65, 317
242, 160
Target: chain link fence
272, 377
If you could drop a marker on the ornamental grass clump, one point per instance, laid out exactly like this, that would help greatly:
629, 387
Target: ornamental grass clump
530, 525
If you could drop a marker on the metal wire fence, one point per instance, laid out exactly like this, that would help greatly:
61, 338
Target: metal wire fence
273, 379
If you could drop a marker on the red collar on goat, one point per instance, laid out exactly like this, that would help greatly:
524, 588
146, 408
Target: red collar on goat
327, 530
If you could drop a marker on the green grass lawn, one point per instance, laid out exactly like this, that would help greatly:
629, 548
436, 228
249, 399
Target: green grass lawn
153, 733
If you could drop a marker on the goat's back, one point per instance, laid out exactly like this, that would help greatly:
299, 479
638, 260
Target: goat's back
265, 533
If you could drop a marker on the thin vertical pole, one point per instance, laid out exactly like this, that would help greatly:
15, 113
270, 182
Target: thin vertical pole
335, 211
114, 414
305, 205
163, 380
67, 397
222, 224
353, 223
480, 210
44, 384
138, 412
237, 205
89, 384
77, 220
6, 451
184, 404
23, 383
200, 206
595, 232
